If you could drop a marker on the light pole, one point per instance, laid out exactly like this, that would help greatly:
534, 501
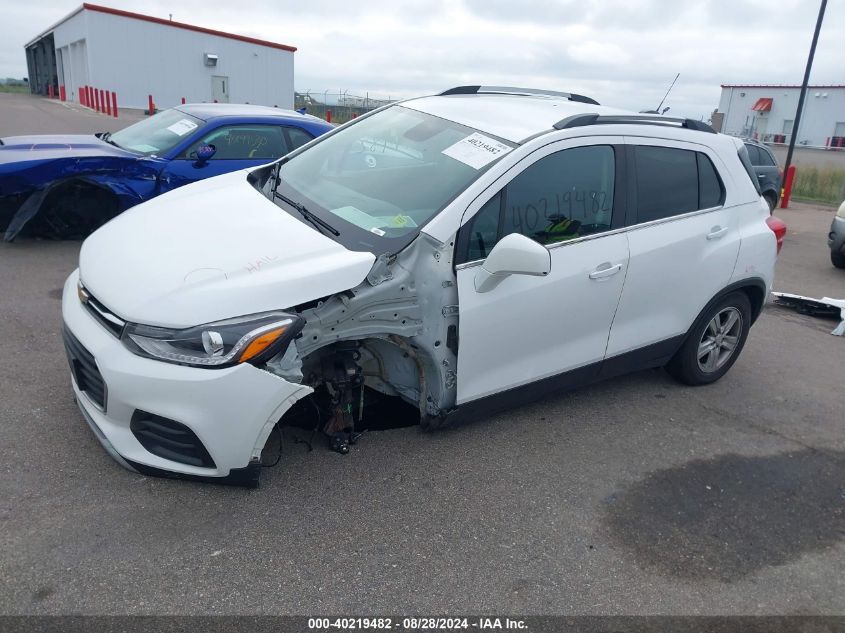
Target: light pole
797, 122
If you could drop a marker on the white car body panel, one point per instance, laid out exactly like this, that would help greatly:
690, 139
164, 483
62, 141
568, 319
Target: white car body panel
546, 344
212, 250
693, 254
529, 328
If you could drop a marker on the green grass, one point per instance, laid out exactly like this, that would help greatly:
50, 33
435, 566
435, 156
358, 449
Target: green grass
819, 184
19, 89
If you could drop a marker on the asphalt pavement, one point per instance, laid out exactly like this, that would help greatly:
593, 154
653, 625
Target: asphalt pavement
633, 496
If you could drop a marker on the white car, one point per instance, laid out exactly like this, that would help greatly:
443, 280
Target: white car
464, 252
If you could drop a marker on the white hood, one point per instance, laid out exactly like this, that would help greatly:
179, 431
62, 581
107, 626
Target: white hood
212, 250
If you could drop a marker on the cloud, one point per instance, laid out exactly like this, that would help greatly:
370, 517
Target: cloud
621, 52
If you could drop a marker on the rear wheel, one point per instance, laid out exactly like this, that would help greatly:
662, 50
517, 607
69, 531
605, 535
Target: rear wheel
837, 259
714, 343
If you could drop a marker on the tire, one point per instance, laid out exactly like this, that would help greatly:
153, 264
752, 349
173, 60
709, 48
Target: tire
772, 201
837, 259
724, 325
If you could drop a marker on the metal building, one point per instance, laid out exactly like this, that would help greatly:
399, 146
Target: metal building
767, 113
138, 55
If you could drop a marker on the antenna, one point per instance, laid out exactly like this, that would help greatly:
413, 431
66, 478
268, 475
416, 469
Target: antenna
668, 91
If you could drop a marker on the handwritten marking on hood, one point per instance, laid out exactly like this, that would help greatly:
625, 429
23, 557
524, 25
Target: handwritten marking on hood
255, 265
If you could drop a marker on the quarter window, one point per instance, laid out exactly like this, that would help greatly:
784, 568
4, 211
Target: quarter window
297, 137
483, 230
753, 154
672, 182
710, 191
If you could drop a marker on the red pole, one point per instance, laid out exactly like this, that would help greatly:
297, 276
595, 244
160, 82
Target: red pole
151, 107
62, 93
183, 100
114, 104
787, 187
84, 93
96, 100
328, 116
103, 100
354, 115
108, 103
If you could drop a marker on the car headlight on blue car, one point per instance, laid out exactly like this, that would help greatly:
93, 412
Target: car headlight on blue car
251, 339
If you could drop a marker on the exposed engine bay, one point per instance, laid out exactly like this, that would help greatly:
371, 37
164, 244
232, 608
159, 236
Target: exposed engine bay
395, 334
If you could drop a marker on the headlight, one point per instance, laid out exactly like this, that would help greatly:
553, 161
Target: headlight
841, 212
254, 339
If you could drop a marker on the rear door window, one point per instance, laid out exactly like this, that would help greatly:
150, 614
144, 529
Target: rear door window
667, 182
766, 158
670, 181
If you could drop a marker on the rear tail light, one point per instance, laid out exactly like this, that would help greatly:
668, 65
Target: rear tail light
778, 227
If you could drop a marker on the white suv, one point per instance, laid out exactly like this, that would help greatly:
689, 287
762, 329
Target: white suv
464, 252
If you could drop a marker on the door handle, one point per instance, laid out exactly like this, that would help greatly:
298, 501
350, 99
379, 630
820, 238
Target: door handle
716, 232
605, 270
761, 176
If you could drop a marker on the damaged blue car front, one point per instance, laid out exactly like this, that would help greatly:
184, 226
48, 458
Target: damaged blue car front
66, 186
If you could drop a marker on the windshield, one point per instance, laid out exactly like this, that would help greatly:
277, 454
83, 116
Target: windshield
157, 134
384, 177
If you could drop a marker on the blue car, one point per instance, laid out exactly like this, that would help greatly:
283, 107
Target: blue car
66, 186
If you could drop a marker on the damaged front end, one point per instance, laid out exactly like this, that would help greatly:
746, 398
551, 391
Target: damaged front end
69, 197
393, 337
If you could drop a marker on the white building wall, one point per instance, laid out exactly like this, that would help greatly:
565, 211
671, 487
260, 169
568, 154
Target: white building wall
818, 121
136, 58
70, 43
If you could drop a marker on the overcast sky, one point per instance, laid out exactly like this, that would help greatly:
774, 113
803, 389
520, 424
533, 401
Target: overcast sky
623, 53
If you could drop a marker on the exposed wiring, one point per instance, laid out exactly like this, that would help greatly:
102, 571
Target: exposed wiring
278, 429
310, 441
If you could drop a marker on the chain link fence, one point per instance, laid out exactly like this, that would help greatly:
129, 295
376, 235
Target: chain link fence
342, 104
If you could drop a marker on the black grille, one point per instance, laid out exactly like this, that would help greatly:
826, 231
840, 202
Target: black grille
84, 369
169, 439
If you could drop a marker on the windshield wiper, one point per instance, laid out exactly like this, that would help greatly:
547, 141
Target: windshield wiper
107, 138
305, 213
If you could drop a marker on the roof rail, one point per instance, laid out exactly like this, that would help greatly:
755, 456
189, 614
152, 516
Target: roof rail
579, 120
511, 90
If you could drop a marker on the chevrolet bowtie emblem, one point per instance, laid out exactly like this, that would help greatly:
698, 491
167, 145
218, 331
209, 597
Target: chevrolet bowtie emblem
83, 294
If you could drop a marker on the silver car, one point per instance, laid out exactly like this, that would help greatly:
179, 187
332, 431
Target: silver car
836, 238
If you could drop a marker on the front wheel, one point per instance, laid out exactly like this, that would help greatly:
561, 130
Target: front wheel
837, 259
714, 343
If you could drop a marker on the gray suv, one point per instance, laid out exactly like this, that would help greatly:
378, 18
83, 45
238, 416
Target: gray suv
836, 238
769, 175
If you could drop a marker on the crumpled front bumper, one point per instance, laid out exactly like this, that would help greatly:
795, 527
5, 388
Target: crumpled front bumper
232, 411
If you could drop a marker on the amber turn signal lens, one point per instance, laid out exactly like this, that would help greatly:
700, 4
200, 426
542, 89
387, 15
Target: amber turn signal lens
260, 343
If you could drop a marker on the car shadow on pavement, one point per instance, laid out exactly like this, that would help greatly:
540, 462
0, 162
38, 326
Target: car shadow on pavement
730, 516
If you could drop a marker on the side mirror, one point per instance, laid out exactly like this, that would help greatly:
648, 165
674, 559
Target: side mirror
515, 254
204, 153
